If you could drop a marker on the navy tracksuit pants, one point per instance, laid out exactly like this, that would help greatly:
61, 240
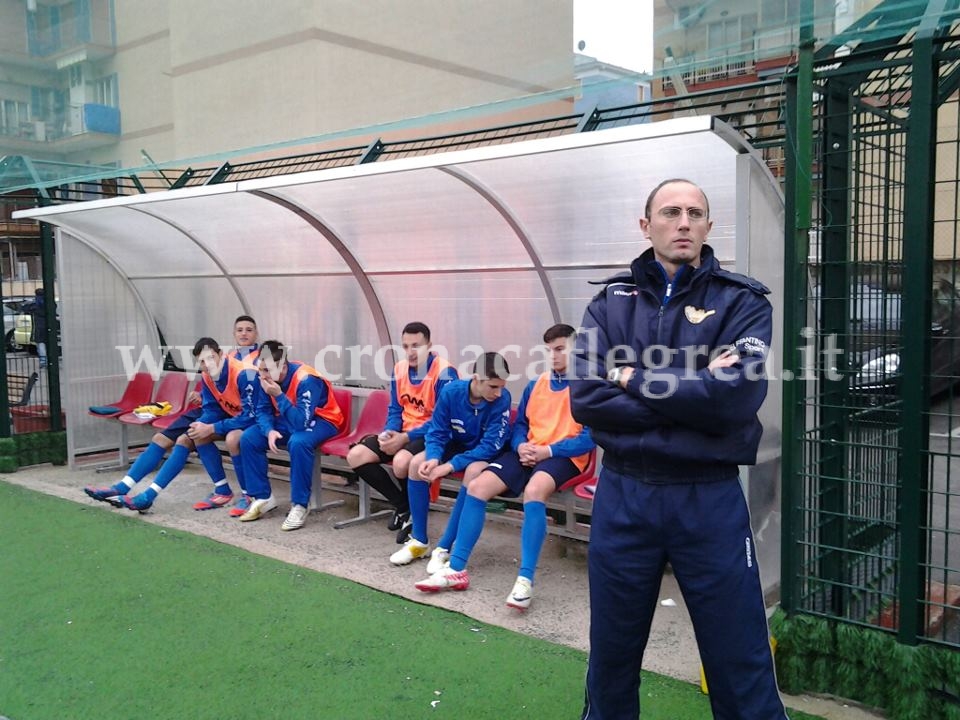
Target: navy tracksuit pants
302, 447
703, 531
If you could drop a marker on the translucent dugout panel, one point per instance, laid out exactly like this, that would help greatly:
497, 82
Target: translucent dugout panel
140, 244
585, 206
186, 310
248, 234
423, 219
469, 312
314, 317
575, 290
101, 314
760, 254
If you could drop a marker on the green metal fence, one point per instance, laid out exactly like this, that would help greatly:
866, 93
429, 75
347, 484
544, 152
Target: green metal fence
29, 384
872, 428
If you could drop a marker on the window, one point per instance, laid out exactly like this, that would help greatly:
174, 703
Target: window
731, 36
75, 73
13, 115
688, 15
105, 91
779, 12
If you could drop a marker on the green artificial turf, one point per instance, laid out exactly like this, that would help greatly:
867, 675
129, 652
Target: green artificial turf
104, 616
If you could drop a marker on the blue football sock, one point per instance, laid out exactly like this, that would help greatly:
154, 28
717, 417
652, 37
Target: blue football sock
142, 466
238, 471
223, 488
450, 534
471, 525
209, 455
532, 535
171, 468
419, 493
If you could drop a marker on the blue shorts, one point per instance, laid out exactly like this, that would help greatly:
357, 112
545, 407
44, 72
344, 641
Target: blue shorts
515, 476
451, 450
372, 443
180, 426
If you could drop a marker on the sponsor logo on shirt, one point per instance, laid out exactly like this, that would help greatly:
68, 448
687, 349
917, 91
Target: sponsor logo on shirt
415, 402
752, 345
306, 398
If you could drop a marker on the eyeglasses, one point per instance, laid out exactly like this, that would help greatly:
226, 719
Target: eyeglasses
694, 214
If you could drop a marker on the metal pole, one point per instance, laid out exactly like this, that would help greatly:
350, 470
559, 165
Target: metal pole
918, 272
50, 310
799, 187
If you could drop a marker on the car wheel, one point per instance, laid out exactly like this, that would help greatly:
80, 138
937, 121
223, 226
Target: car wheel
11, 343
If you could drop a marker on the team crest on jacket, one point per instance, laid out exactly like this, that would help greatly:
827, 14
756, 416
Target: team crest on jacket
697, 315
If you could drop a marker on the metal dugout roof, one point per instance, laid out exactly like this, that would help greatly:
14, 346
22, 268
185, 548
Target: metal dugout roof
506, 224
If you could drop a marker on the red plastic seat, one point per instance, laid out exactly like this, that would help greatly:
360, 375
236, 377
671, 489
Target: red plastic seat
162, 423
345, 402
138, 391
172, 389
372, 418
586, 476
586, 490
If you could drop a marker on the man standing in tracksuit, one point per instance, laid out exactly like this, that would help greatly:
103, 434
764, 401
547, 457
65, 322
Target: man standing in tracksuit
669, 377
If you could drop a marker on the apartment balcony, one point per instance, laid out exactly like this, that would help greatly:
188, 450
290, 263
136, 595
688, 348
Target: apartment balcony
83, 127
712, 72
71, 42
771, 50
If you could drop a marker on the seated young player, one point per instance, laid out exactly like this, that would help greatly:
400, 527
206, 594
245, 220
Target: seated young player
245, 336
548, 448
296, 409
414, 388
227, 409
469, 427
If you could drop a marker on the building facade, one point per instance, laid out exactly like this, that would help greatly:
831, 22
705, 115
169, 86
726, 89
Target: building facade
123, 83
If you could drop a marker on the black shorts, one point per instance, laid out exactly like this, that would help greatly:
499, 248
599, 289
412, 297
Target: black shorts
180, 426
371, 443
515, 476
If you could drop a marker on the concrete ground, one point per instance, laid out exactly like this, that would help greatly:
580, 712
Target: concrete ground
360, 553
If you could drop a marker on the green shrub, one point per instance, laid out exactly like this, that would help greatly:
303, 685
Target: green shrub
866, 665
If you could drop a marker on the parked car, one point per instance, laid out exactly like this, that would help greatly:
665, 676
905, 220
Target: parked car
876, 340
11, 316
23, 329
20, 337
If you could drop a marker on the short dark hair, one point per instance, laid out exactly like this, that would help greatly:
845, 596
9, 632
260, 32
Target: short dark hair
205, 342
560, 330
492, 366
275, 349
416, 328
245, 318
653, 194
